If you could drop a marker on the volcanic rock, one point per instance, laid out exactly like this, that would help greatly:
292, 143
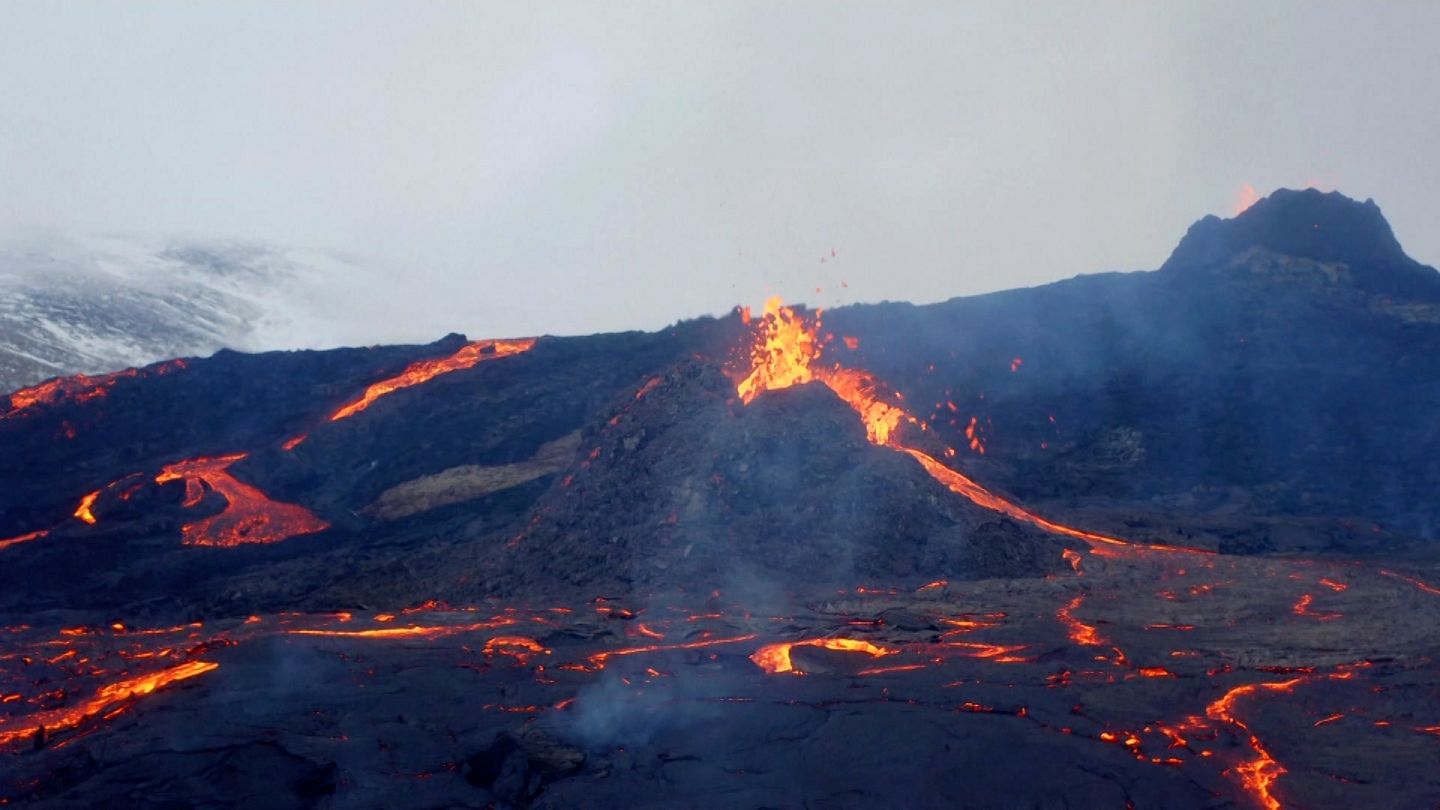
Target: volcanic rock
687, 487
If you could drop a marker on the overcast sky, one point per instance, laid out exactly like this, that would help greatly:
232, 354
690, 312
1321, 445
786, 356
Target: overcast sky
521, 168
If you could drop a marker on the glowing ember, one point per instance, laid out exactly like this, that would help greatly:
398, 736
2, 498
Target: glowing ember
411, 631
249, 516
997, 653
1302, 608
775, 658
425, 370
599, 659
83, 510
1073, 557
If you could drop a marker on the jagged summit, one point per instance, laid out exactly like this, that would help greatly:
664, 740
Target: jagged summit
1321, 226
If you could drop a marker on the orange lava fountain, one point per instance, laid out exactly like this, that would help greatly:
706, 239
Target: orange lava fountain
785, 353
249, 516
425, 370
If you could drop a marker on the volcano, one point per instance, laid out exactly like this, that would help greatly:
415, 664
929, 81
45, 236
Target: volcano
1156, 539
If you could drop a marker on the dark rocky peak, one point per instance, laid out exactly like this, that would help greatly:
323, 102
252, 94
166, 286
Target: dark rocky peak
1325, 227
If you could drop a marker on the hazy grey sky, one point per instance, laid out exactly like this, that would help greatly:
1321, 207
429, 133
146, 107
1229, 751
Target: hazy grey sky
570, 167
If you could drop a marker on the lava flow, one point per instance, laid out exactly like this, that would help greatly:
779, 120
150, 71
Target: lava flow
1259, 774
106, 697
425, 370
79, 388
785, 353
24, 538
775, 658
249, 516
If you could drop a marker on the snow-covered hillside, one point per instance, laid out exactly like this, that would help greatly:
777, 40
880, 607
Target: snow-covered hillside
97, 304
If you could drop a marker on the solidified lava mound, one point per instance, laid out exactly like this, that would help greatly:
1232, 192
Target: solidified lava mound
684, 486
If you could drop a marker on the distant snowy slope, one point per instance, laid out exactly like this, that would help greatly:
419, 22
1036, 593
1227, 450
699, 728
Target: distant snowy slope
103, 303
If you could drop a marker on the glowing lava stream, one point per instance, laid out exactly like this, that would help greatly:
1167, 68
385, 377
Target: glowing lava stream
425, 370
79, 388
72, 716
1259, 774
249, 516
785, 353
24, 538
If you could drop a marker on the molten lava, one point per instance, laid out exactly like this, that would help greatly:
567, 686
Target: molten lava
775, 658
26, 726
425, 370
24, 538
786, 352
79, 388
249, 516
1080, 632
1258, 775
83, 510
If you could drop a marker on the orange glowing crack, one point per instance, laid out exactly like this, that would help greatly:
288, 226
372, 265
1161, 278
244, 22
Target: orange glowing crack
998, 653
1423, 586
775, 658
412, 631
598, 659
425, 370
784, 354
25, 727
1080, 633
1258, 775
24, 538
1302, 608
249, 517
